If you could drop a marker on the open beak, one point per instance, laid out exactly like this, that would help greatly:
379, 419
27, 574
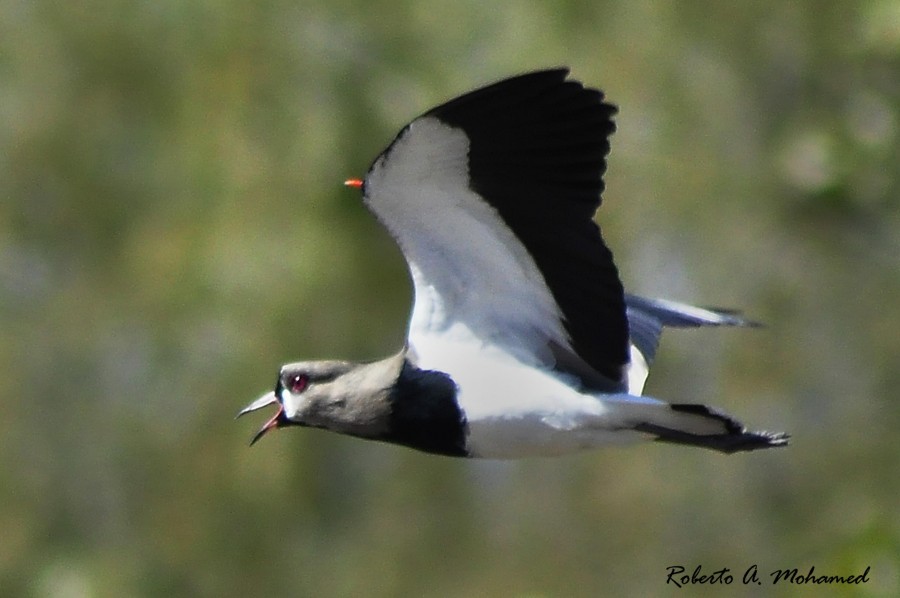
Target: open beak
264, 401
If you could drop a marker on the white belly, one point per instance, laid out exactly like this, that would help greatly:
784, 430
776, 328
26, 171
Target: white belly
514, 410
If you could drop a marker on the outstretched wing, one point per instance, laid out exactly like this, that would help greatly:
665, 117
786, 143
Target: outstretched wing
491, 198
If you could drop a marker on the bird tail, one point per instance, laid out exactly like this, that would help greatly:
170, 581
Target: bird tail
648, 317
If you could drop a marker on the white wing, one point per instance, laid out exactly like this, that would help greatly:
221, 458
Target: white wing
468, 268
491, 198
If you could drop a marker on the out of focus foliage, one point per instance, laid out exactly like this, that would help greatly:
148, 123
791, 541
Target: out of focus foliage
173, 227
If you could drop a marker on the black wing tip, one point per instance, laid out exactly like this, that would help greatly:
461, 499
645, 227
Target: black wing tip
753, 440
730, 443
553, 74
535, 81
735, 439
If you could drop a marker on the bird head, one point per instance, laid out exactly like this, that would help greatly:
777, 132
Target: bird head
310, 393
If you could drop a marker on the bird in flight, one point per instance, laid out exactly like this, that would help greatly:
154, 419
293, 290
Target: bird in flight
522, 341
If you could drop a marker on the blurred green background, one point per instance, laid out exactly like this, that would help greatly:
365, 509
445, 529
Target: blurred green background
173, 227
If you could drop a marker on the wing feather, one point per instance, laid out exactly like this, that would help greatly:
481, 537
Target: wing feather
491, 198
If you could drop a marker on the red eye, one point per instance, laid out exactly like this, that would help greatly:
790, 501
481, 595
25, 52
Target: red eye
298, 382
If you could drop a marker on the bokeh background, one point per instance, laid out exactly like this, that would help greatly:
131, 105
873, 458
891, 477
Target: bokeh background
173, 227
